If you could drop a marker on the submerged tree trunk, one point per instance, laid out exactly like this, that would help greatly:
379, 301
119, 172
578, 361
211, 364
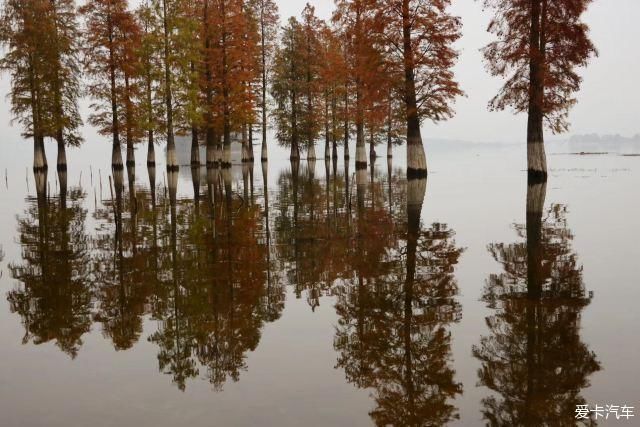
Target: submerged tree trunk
536, 157
416, 158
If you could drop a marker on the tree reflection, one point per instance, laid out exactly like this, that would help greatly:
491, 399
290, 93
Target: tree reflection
392, 334
534, 358
121, 252
54, 296
215, 296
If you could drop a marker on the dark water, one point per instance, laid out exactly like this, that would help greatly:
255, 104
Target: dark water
314, 294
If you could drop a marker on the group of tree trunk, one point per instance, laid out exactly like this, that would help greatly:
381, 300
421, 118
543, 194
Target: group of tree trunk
377, 70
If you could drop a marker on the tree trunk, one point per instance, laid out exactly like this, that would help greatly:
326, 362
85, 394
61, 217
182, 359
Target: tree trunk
39, 156
295, 150
250, 145
151, 150
416, 158
116, 156
195, 147
346, 124
372, 149
536, 157
131, 159
311, 151
62, 178
211, 151
62, 153
361, 151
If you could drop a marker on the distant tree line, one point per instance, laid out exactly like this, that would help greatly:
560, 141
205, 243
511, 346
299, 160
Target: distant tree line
205, 68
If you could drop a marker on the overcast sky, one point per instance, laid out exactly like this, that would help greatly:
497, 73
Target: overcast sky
607, 103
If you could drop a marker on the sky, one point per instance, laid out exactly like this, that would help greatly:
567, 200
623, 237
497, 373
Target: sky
607, 103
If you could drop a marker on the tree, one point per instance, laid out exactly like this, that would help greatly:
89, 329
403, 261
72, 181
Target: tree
287, 87
40, 37
151, 103
266, 12
231, 61
63, 71
539, 45
111, 40
333, 75
310, 53
417, 36
355, 20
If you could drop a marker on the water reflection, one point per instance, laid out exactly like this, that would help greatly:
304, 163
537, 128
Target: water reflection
53, 295
534, 358
395, 310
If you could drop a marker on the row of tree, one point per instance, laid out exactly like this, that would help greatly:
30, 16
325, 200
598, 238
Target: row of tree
202, 67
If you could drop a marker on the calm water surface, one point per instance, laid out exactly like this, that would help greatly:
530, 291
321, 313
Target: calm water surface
313, 294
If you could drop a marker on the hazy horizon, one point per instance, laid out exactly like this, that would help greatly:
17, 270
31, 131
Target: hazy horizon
599, 111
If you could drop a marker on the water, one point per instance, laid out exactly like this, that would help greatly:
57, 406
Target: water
311, 294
